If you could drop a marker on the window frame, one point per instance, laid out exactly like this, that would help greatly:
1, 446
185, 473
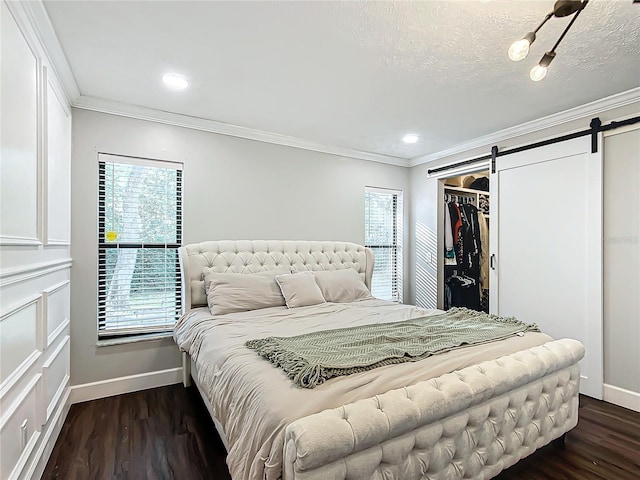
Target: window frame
397, 246
103, 246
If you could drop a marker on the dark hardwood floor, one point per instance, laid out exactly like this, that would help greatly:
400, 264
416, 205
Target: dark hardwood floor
604, 446
166, 433
162, 433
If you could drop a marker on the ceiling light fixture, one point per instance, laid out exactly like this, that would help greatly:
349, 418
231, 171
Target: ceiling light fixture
520, 48
175, 81
410, 138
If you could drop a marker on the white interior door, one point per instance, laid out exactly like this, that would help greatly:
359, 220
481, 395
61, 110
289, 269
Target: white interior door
546, 238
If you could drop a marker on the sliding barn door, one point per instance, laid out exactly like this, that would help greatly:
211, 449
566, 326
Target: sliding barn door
546, 242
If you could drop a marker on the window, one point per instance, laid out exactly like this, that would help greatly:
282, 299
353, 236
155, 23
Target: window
383, 234
139, 232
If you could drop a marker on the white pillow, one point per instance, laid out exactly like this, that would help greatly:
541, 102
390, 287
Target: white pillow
300, 289
239, 292
341, 286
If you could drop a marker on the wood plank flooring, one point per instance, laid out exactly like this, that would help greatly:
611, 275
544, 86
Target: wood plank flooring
162, 433
166, 433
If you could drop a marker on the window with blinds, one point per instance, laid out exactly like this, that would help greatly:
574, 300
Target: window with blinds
383, 234
139, 232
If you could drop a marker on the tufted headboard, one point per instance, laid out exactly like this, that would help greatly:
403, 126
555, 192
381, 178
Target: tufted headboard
251, 256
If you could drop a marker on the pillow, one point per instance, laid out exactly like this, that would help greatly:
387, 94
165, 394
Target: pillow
300, 289
240, 292
342, 286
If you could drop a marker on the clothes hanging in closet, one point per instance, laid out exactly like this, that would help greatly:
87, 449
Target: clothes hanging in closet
462, 291
452, 224
469, 243
463, 249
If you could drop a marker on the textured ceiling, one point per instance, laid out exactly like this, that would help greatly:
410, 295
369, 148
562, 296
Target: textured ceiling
351, 74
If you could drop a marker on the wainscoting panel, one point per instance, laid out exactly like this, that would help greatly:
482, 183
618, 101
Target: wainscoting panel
20, 342
19, 430
55, 371
58, 169
56, 307
21, 133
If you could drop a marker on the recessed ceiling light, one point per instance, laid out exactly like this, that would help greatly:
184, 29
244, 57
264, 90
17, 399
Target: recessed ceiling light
175, 81
410, 138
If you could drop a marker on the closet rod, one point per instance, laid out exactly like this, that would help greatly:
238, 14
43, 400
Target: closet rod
596, 127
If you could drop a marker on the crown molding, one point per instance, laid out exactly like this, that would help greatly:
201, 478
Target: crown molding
34, 15
576, 113
34, 19
205, 125
40, 28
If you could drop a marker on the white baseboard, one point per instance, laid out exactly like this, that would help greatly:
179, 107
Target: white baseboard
118, 386
41, 457
620, 396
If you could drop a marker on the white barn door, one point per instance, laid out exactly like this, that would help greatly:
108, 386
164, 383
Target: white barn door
546, 239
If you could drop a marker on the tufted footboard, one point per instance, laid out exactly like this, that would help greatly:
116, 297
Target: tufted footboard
469, 424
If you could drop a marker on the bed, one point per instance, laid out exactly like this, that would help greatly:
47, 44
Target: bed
467, 413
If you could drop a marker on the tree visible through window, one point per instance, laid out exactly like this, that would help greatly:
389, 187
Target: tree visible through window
383, 234
139, 232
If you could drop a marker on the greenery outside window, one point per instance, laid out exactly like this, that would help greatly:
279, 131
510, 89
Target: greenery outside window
383, 234
139, 233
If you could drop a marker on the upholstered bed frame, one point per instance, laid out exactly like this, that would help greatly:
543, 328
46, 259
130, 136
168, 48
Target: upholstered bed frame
470, 424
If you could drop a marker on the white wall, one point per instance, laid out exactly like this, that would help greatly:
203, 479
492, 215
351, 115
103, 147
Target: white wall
622, 260
34, 250
425, 220
233, 188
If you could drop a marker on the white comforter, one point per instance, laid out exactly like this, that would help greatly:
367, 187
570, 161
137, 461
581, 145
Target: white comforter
255, 401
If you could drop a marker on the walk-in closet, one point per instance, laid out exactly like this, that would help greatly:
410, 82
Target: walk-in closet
466, 241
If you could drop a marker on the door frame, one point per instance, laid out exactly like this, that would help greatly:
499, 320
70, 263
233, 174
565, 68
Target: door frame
442, 176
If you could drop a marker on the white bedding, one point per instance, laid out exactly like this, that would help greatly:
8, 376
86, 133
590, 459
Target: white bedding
254, 401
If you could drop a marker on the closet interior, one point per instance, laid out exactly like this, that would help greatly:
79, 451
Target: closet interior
466, 241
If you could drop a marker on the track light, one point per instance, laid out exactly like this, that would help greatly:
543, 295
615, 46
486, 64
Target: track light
520, 48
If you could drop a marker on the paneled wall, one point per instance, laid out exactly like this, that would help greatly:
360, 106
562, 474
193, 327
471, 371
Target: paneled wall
35, 259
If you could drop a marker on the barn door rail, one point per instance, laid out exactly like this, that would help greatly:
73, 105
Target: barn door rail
595, 127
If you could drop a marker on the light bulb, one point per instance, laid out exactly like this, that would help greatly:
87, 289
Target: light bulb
519, 49
538, 73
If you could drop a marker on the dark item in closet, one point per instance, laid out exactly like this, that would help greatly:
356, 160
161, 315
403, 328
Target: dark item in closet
463, 291
456, 221
483, 204
470, 246
480, 183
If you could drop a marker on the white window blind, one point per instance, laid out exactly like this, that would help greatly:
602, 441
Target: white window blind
383, 234
139, 232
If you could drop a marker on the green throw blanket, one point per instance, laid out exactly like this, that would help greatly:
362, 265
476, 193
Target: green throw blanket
312, 358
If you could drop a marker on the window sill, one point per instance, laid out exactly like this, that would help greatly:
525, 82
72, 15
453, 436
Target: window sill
148, 337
